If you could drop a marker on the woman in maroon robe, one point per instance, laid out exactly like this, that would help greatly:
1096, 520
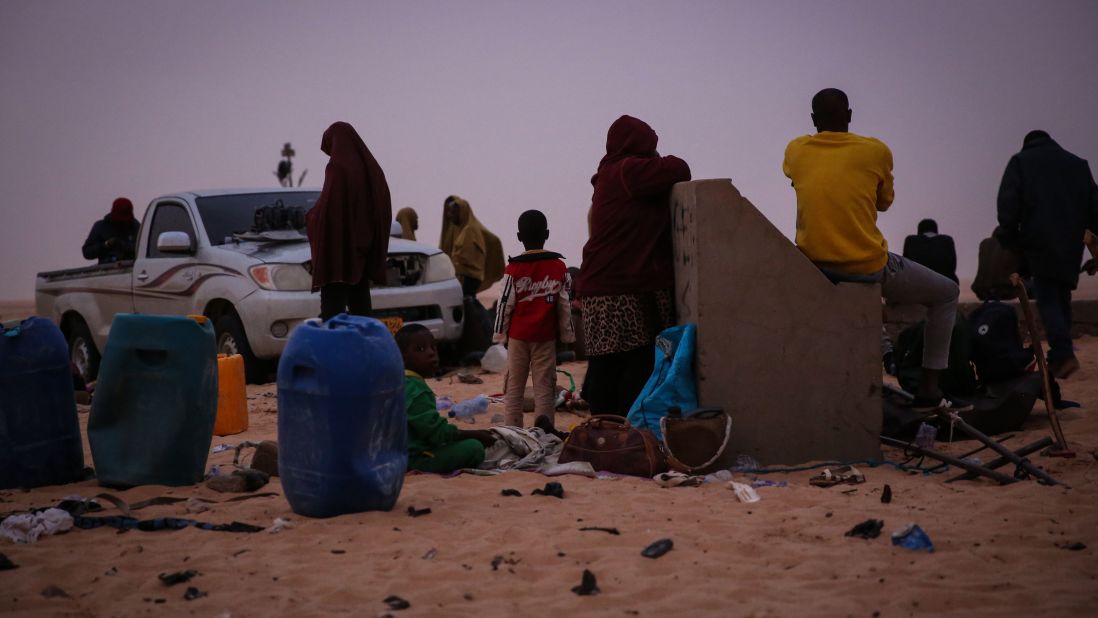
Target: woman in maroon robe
627, 278
349, 225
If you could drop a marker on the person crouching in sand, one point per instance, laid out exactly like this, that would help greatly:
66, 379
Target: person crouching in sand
434, 445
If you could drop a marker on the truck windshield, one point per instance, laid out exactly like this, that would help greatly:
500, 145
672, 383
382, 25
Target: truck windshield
225, 215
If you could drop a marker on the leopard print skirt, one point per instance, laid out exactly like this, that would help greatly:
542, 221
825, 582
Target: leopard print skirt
625, 322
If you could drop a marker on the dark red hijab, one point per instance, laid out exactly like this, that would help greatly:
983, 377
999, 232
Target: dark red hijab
349, 225
628, 137
122, 210
629, 249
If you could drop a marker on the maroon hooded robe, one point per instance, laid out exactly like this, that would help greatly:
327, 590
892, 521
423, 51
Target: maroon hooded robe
348, 227
629, 250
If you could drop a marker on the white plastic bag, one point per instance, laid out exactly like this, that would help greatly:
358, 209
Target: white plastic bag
495, 359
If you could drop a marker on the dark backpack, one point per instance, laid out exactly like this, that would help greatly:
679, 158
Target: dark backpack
958, 379
997, 350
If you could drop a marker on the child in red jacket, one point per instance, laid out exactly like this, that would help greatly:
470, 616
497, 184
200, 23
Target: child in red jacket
533, 312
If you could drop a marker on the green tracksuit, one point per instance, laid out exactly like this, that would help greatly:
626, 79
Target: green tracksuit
433, 444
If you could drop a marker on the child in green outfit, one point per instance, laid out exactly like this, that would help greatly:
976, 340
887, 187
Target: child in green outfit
434, 445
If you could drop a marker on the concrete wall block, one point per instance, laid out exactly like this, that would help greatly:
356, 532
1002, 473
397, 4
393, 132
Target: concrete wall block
794, 358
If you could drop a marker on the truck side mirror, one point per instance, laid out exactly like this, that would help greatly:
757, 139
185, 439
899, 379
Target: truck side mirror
174, 242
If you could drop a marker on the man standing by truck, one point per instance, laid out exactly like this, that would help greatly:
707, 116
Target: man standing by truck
112, 238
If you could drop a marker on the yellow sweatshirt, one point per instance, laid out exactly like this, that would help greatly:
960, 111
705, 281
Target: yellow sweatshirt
842, 181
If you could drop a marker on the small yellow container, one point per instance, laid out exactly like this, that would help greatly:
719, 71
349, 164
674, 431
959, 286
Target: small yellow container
232, 398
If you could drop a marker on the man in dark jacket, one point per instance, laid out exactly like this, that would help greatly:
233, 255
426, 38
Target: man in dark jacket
933, 250
1047, 202
113, 237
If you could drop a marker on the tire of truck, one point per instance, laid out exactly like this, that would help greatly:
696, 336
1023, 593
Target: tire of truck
229, 333
82, 351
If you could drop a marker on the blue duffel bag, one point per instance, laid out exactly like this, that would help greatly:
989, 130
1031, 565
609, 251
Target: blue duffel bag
672, 381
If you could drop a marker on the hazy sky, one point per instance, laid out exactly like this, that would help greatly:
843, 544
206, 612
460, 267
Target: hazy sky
507, 103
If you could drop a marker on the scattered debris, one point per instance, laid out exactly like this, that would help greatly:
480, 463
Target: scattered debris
431, 553
511, 492
396, 603
28, 527
240, 481
193, 593
744, 493
551, 489
53, 592
1072, 546
279, 525
339, 552
843, 474
414, 512
658, 548
171, 579
468, 378
194, 505
768, 483
498, 419
868, 529
221, 448
498, 560
6, 564
613, 531
886, 494
588, 585
913, 537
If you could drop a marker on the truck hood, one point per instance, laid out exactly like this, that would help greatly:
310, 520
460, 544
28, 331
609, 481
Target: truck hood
298, 252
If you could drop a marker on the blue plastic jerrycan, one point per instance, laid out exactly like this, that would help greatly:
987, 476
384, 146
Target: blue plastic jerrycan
342, 428
39, 431
155, 403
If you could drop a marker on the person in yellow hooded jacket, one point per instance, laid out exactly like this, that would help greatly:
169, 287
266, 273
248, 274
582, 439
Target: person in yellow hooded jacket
409, 223
477, 253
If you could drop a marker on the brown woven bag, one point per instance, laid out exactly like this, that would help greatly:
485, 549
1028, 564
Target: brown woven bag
610, 443
698, 444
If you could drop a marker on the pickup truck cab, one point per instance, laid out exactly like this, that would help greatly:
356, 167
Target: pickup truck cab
207, 253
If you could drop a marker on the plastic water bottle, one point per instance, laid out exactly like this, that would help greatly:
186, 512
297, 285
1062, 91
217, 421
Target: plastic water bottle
924, 437
444, 403
470, 407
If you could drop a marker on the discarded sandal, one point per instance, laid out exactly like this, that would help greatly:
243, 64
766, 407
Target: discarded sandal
844, 474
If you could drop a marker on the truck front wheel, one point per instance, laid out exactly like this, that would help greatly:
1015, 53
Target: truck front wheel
82, 351
232, 340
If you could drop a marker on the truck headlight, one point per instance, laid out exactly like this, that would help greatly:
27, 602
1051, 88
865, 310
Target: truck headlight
439, 268
282, 277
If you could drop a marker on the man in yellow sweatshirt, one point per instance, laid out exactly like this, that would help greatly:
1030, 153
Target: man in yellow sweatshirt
842, 181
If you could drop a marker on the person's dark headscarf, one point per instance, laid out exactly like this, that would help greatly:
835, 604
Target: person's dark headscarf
928, 225
1035, 135
121, 210
349, 225
628, 137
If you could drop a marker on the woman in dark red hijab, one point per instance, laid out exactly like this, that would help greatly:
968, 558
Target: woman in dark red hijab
627, 279
349, 225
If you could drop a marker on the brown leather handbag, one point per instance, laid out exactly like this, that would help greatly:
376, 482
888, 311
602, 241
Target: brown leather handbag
610, 443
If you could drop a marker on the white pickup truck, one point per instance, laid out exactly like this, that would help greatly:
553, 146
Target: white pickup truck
211, 253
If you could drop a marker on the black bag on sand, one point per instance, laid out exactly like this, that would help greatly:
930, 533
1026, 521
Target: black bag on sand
993, 269
997, 350
996, 409
958, 379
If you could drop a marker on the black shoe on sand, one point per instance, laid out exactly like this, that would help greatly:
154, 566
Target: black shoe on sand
944, 404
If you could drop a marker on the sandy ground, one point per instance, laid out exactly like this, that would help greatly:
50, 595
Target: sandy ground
998, 549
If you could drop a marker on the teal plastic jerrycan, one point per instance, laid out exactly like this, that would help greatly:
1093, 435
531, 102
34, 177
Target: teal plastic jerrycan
155, 404
39, 431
